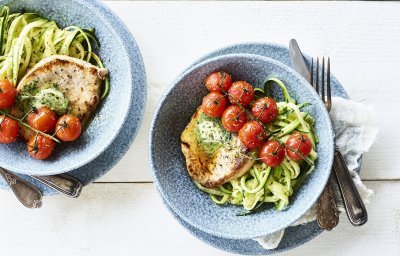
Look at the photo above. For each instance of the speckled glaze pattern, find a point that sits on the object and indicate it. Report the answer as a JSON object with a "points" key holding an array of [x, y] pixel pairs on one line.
{"points": [[170, 174], [294, 236], [120, 55], [131, 88]]}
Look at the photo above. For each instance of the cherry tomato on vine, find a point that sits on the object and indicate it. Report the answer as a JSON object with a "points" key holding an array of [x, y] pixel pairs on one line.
{"points": [[233, 118], [214, 104], [40, 147], [43, 119], [68, 128], [298, 143], [252, 134], [241, 92], [7, 94], [8, 130], [272, 153], [217, 81], [265, 109]]}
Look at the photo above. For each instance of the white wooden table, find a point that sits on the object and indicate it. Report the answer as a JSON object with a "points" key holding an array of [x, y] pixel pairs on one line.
{"points": [[122, 214]]}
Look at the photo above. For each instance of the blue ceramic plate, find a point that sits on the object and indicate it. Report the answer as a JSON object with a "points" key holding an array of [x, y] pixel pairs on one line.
{"points": [[169, 170], [120, 55], [294, 236]]}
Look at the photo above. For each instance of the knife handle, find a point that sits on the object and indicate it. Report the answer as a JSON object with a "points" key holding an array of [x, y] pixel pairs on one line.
{"points": [[355, 208], [327, 211], [63, 183]]}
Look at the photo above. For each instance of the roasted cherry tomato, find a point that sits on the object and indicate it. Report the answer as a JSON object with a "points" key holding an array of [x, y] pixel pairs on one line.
{"points": [[8, 130], [265, 109], [68, 128], [272, 153], [252, 134], [7, 94], [217, 81], [233, 118], [43, 119], [214, 104], [298, 143], [40, 147], [241, 92]]}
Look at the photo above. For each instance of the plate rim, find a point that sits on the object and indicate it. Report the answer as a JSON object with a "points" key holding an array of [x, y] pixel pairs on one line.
{"points": [[192, 230]]}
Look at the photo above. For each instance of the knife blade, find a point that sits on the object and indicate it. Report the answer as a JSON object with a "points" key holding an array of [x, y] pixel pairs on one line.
{"points": [[297, 59]]}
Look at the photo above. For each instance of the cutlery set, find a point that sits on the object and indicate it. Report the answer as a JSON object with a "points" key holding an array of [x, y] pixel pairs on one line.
{"points": [[31, 197], [327, 212]]}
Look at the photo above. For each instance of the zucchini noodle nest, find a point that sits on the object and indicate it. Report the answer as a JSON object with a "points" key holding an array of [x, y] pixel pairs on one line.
{"points": [[27, 38]]}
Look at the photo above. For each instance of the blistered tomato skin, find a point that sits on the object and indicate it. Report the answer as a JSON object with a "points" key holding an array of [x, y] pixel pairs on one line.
{"points": [[233, 118], [298, 143], [7, 94], [265, 109], [252, 134], [218, 82], [241, 92], [8, 130], [214, 104], [272, 153], [40, 147], [68, 128], [43, 119]]}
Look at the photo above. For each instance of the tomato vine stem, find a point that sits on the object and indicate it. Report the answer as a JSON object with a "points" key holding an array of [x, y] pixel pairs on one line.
{"points": [[270, 134], [28, 126]]}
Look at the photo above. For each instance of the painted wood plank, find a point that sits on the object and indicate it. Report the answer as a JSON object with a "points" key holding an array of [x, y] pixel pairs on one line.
{"points": [[364, 55], [130, 219]]}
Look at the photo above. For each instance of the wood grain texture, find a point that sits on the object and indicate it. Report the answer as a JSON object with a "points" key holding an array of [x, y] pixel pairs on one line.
{"points": [[130, 219], [364, 53]]}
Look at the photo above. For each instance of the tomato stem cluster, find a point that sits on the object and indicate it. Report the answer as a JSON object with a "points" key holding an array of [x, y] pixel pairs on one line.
{"points": [[270, 133], [20, 120]]}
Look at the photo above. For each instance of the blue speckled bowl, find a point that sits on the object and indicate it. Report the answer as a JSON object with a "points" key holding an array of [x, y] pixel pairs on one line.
{"points": [[169, 171], [120, 55]]}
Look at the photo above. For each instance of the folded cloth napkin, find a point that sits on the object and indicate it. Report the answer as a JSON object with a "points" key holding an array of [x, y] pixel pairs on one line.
{"points": [[355, 132]]}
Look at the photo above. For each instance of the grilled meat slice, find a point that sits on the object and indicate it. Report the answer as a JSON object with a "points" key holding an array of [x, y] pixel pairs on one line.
{"points": [[213, 155]]}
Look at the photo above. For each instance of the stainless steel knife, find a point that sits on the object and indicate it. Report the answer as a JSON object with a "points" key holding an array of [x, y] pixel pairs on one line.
{"points": [[327, 211], [297, 59]]}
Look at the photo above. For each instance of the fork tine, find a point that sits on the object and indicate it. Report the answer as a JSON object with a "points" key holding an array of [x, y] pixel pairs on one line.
{"points": [[312, 73], [328, 83], [323, 81], [317, 77]]}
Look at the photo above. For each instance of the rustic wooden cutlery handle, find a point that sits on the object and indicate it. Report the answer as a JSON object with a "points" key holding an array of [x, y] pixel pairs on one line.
{"points": [[327, 211], [27, 194], [64, 184], [355, 208]]}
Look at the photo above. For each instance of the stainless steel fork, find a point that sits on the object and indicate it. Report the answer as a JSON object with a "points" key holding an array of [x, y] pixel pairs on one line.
{"points": [[354, 206]]}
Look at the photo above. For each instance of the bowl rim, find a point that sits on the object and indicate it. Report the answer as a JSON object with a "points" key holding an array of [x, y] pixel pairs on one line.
{"points": [[128, 42], [293, 218]]}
